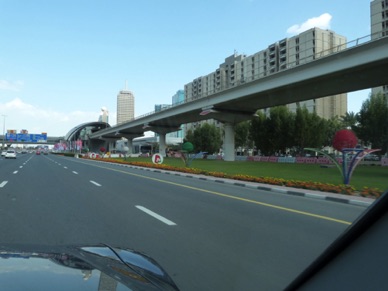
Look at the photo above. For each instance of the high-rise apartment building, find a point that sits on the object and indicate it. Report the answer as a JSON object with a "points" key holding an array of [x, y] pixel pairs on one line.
{"points": [[310, 45], [177, 99], [125, 106], [379, 28], [286, 53]]}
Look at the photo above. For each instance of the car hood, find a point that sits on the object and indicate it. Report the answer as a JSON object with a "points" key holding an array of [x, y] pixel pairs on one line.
{"points": [[97, 267]]}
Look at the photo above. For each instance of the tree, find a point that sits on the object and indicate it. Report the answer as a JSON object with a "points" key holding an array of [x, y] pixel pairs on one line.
{"points": [[258, 133], [280, 128], [273, 133], [205, 138], [301, 134], [332, 126], [189, 136], [372, 120], [241, 134], [349, 120], [317, 130], [310, 130]]}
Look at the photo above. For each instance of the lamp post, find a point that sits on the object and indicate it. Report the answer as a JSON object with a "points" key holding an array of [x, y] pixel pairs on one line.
{"points": [[4, 116]]}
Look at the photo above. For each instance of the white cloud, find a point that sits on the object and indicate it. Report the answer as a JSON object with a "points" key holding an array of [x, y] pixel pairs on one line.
{"points": [[322, 21], [21, 115], [11, 86]]}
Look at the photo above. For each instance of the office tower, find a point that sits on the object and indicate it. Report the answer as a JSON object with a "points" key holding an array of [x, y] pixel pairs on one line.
{"points": [[125, 106], [379, 28]]}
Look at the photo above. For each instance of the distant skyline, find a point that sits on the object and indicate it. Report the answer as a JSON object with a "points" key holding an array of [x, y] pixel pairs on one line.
{"points": [[61, 62]]}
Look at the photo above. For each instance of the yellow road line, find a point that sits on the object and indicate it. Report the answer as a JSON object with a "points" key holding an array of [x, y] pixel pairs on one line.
{"points": [[230, 196]]}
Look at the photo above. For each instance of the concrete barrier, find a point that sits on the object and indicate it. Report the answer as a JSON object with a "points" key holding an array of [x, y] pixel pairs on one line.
{"points": [[311, 160], [323, 161], [273, 159], [290, 160]]}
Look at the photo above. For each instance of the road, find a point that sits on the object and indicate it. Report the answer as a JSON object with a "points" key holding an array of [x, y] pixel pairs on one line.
{"points": [[207, 235]]}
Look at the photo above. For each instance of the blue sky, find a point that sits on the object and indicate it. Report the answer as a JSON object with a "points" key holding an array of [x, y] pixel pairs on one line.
{"points": [[61, 61]]}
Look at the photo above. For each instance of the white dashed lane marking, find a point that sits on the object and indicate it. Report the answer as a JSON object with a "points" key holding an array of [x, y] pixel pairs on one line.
{"points": [[155, 215], [95, 183]]}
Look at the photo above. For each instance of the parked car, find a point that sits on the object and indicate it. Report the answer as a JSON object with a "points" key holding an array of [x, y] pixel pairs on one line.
{"points": [[3, 153], [10, 154]]}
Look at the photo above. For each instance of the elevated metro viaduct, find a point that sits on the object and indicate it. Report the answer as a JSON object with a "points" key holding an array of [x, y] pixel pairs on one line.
{"points": [[361, 67]]}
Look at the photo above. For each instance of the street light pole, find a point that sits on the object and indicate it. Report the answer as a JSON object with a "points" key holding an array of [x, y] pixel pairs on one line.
{"points": [[4, 116]]}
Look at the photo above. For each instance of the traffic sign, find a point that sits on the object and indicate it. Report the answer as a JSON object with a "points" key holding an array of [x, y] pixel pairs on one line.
{"points": [[157, 159]]}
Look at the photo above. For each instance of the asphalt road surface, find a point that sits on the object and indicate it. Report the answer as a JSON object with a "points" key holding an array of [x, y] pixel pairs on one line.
{"points": [[207, 235]]}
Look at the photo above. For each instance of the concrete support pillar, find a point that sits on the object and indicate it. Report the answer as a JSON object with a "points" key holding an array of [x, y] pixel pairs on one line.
{"points": [[130, 138], [129, 146], [162, 144], [229, 142], [111, 146]]}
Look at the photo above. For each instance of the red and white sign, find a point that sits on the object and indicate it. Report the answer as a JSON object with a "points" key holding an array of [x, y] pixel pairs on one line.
{"points": [[157, 159]]}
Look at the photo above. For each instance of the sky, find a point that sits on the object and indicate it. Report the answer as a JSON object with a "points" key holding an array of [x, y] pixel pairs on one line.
{"points": [[62, 61]]}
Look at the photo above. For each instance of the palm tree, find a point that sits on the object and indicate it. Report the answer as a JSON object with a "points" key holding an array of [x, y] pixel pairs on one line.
{"points": [[349, 120]]}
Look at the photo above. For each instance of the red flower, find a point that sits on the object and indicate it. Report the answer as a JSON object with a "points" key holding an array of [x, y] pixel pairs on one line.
{"points": [[344, 138]]}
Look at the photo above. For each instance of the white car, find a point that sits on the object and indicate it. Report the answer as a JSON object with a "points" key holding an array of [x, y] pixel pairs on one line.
{"points": [[3, 153], [10, 154]]}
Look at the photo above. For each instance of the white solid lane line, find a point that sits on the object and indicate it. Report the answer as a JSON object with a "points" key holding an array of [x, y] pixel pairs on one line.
{"points": [[95, 183], [3, 184], [155, 215]]}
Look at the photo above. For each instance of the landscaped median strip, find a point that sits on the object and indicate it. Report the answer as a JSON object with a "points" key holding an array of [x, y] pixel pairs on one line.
{"points": [[305, 185], [251, 184]]}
